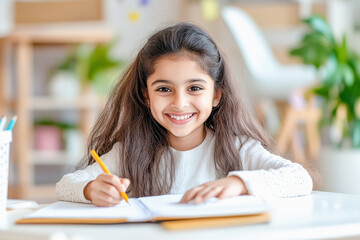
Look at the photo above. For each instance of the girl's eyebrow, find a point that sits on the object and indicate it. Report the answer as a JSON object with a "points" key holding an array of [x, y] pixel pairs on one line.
{"points": [[188, 81]]}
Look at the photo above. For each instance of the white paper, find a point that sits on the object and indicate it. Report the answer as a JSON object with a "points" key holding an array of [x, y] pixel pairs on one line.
{"points": [[146, 208], [84, 211], [169, 206], [20, 204]]}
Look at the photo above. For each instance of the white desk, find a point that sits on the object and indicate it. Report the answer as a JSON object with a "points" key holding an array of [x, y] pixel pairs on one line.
{"points": [[320, 215]]}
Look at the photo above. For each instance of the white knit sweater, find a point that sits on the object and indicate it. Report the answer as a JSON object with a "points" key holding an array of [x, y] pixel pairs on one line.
{"points": [[264, 174]]}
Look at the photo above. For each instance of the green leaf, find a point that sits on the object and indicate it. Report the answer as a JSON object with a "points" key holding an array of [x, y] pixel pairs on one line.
{"points": [[88, 61], [322, 91], [69, 63], [318, 24], [100, 60], [341, 51], [318, 39], [356, 134], [314, 49], [347, 74], [354, 62], [313, 54], [332, 75]]}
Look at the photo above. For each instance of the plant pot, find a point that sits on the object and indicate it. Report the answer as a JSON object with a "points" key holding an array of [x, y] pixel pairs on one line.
{"points": [[47, 138], [340, 170], [65, 85]]}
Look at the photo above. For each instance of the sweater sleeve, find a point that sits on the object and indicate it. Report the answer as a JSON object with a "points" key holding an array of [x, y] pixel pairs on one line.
{"points": [[71, 186], [268, 175]]}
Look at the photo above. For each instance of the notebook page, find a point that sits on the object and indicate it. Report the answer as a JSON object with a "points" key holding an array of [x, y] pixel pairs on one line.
{"points": [[169, 206], [20, 204], [85, 211]]}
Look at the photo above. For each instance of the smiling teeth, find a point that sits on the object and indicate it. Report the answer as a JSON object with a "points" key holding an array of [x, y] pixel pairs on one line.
{"points": [[181, 117]]}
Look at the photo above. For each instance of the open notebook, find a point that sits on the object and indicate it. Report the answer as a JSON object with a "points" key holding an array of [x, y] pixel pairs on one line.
{"points": [[237, 210]]}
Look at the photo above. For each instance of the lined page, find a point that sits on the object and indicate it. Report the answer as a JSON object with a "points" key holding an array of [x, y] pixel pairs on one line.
{"points": [[85, 211], [169, 206]]}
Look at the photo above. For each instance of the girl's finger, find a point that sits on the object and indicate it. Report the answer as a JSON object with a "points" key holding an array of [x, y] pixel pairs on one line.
{"points": [[113, 180], [109, 198], [205, 195], [213, 193], [112, 191], [199, 197], [102, 203], [101, 188], [225, 193], [189, 195], [125, 183], [105, 177]]}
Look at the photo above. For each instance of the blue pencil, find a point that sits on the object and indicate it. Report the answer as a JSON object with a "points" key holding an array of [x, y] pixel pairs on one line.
{"points": [[2, 122], [12, 123]]}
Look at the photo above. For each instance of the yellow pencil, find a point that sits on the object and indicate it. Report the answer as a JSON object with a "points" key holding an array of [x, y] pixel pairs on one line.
{"points": [[104, 168]]}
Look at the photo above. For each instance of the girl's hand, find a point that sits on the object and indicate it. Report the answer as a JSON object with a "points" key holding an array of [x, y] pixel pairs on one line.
{"points": [[105, 190], [222, 188]]}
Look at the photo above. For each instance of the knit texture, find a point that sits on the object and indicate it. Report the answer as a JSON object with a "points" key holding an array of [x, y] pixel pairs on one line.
{"points": [[264, 174]]}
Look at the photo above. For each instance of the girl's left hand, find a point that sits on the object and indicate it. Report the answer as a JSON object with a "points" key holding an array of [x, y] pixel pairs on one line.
{"points": [[223, 188]]}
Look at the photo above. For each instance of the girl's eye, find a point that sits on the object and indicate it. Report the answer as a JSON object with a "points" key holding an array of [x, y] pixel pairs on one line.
{"points": [[163, 89], [195, 88]]}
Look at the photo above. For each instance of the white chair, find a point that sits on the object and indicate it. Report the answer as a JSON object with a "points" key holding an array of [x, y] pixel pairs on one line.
{"points": [[270, 80]]}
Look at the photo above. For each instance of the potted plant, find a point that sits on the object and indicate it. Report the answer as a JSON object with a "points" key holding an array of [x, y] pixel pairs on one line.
{"points": [[49, 134], [92, 66], [339, 94]]}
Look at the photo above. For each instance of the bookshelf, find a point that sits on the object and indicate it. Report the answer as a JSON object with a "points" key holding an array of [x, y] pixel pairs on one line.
{"points": [[24, 103]]}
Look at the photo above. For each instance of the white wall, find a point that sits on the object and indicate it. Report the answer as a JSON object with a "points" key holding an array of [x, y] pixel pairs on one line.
{"points": [[132, 35], [6, 16]]}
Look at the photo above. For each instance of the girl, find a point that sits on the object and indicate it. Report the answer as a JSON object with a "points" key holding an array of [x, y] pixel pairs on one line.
{"points": [[175, 124]]}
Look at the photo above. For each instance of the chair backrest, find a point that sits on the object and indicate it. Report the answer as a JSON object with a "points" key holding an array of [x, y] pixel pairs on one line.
{"points": [[256, 52]]}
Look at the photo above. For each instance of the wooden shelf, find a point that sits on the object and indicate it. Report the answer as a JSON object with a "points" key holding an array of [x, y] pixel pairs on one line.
{"points": [[22, 43], [44, 191], [63, 33], [34, 192], [51, 103], [54, 158]]}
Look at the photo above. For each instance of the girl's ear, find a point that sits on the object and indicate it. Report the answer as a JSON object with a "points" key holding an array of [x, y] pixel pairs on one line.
{"points": [[217, 98], [146, 94]]}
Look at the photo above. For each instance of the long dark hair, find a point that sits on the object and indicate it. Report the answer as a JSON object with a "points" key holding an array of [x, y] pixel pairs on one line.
{"points": [[143, 141]]}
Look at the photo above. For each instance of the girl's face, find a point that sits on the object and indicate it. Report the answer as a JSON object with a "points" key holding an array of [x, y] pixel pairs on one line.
{"points": [[181, 96]]}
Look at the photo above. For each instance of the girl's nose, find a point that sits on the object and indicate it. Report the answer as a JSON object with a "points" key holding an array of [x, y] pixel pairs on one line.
{"points": [[180, 101]]}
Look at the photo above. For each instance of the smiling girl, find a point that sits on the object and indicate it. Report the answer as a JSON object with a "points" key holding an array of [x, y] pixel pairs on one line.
{"points": [[175, 123]]}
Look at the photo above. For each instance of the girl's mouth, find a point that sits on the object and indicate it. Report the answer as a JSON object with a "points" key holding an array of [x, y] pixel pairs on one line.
{"points": [[180, 119]]}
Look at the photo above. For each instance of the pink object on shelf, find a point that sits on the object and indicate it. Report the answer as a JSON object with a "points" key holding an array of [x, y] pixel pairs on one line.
{"points": [[48, 138]]}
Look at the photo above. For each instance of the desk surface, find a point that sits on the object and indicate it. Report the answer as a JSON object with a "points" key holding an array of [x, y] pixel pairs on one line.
{"points": [[320, 215]]}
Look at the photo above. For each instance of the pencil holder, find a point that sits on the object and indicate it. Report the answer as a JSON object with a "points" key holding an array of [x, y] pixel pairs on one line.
{"points": [[5, 139]]}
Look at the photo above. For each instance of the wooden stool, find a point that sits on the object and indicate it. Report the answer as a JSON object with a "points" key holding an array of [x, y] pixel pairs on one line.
{"points": [[295, 119]]}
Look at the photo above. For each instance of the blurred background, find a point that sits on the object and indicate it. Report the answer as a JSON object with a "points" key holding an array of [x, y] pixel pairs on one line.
{"points": [[59, 58]]}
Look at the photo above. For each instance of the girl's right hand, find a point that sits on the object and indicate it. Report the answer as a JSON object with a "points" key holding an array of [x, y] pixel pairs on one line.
{"points": [[105, 190]]}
